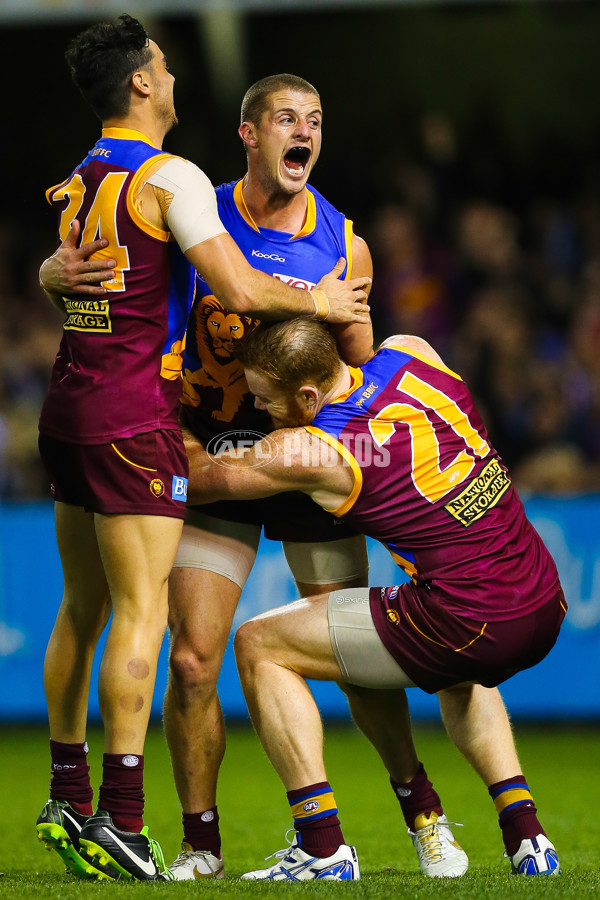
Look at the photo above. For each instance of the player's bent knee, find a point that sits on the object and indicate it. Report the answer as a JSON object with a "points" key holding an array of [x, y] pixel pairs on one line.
{"points": [[193, 670], [249, 644]]}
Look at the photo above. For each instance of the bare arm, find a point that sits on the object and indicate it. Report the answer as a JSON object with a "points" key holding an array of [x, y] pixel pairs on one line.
{"points": [[240, 287], [183, 197], [289, 459], [355, 340], [248, 291]]}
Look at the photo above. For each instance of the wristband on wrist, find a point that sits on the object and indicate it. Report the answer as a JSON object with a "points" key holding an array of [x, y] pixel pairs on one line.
{"points": [[321, 301]]}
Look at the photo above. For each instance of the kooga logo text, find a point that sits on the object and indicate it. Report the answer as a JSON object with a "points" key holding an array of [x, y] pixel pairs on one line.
{"points": [[272, 256]]}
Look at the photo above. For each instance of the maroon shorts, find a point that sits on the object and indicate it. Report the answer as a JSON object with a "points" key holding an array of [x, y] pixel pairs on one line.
{"points": [[142, 475], [438, 649]]}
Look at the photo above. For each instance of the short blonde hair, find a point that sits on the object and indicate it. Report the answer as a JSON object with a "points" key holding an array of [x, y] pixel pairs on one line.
{"points": [[292, 353], [256, 98]]}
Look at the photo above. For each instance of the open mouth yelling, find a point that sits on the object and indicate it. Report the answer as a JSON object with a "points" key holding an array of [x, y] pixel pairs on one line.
{"points": [[296, 160]]}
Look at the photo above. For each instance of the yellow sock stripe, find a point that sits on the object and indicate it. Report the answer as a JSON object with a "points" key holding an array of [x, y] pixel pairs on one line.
{"points": [[315, 806], [508, 798]]}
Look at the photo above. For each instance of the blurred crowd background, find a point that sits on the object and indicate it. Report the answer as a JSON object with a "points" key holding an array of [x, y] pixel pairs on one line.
{"points": [[462, 139]]}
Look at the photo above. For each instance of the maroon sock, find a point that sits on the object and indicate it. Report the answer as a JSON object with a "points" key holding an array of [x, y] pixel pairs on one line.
{"points": [[201, 830], [318, 836], [517, 813], [122, 790], [417, 796], [321, 838], [70, 779]]}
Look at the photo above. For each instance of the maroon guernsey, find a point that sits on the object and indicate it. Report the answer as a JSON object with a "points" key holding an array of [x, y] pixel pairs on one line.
{"points": [[118, 368], [429, 485]]}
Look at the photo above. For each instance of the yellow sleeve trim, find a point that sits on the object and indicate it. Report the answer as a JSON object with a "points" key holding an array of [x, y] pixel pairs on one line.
{"points": [[136, 216], [426, 359], [348, 235], [350, 500]]}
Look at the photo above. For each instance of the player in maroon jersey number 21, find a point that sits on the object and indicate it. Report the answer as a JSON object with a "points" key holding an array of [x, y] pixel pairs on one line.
{"points": [[399, 450]]}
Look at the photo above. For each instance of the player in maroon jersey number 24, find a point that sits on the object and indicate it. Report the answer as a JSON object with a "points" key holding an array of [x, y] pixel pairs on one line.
{"points": [[110, 436]]}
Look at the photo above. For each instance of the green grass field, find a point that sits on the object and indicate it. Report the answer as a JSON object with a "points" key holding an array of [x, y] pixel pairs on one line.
{"points": [[562, 765]]}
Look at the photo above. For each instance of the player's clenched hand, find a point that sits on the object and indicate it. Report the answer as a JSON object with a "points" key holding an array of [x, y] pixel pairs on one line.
{"points": [[347, 299], [71, 271]]}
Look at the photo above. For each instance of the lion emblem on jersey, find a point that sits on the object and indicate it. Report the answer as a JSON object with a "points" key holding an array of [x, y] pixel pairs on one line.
{"points": [[217, 331]]}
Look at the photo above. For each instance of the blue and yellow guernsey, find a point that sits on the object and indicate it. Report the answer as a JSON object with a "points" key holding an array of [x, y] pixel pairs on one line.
{"points": [[118, 368], [429, 485], [215, 397]]}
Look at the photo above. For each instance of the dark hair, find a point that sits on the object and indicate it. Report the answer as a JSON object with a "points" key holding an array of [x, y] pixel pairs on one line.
{"points": [[256, 98], [101, 60], [292, 353]]}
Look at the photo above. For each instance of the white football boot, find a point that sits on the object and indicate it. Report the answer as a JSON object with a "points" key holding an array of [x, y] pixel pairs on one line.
{"points": [[535, 856], [440, 855], [296, 865], [192, 864]]}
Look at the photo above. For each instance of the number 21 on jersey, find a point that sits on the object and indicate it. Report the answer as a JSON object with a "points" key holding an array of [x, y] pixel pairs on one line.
{"points": [[430, 479]]}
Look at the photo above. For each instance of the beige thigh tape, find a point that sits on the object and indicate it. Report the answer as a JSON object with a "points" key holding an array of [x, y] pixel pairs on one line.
{"points": [[227, 548], [361, 656]]}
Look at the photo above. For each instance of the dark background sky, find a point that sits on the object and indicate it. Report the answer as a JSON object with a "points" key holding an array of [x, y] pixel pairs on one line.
{"points": [[518, 81]]}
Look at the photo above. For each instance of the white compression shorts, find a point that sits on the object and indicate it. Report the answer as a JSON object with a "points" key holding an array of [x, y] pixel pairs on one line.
{"points": [[229, 549], [361, 655], [192, 213]]}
